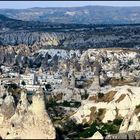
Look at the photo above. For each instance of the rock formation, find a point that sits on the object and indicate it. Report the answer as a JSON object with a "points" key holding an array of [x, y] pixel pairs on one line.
{"points": [[65, 81], [97, 135], [131, 121], [129, 135], [8, 107], [116, 102], [72, 82], [28, 121], [95, 86]]}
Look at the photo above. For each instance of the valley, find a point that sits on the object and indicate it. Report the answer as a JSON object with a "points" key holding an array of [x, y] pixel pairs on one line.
{"points": [[75, 79]]}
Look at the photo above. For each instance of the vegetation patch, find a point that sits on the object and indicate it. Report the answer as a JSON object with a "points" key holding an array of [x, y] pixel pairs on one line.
{"points": [[137, 106], [59, 97], [93, 98], [100, 95], [130, 91], [84, 121], [137, 109], [120, 98], [103, 128], [85, 96], [86, 129], [93, 115], [139, 118], [117, 121], [71, 104], [108, 97], [101, 114], [103, 97]]}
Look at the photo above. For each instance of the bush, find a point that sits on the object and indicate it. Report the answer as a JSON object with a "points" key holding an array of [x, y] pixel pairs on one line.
{"points": [[137, 106], [85, 96], [117, 121], [109, 128], [103, 128], [65, 103], [48, 87], [100, 95], [86, 131], [71, 104], [23, 83], [52, 103], [11, 86], [89, 131], [100, 111]]}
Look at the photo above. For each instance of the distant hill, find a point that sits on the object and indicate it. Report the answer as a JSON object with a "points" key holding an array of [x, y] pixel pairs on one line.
{"points": [[69, 36], [78, 15], [4, 18]]}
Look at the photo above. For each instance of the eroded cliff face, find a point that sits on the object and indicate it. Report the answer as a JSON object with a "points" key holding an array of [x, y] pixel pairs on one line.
{"points": [[20, 39], [119, 102], [68, 36], [25, 121], [69, 40]]}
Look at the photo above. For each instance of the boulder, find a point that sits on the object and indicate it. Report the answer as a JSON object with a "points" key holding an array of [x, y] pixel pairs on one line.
{"points": [[97, 135]]}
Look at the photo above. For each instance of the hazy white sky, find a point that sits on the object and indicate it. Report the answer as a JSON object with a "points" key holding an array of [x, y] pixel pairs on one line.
{"points": [[29, 4]]}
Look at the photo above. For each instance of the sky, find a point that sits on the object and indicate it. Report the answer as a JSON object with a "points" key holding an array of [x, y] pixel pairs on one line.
{"points": [[30, 4]]}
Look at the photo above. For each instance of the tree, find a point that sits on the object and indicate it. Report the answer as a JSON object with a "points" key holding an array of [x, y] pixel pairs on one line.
{"points": [[23, 83], [48, 86]]}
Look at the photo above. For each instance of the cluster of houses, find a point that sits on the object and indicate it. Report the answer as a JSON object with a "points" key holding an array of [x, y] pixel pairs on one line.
{"points": [[106, 65], [30, 80]]}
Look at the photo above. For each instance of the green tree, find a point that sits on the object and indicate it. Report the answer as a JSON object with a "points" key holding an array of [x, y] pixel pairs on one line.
{"points": [[23, 83]]}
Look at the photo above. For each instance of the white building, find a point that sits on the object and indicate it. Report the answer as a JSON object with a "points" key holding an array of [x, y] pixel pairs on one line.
{"points": [[32, 88], [29, 79]]}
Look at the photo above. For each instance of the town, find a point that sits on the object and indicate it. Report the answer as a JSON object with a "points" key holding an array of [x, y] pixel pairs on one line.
{"points": [[76, 69], [69, 73], [70, 78]]}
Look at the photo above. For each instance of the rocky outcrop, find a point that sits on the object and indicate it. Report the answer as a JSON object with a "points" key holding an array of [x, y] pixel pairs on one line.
{"points": [[117, 102], [67, 36], [129, 135], [97, 135], [28, 121], [95, 86], [8, 107], [65, 80], [67, 94], [131, 121], [73, 80]]}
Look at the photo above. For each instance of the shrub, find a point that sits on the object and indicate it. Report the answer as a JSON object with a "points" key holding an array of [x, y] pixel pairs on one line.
{"points": [[117, 121], [100, 112], [109, 128], [139, 118], [100, 95], [85, 96], [23, 83], [89, 131], [52, 103], [48, 86], [71, 104], [103, 128], [137, 106]]}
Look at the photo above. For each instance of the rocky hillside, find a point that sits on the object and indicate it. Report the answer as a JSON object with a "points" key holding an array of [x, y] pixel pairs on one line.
{"points": [[117, 102], [118, 109], [68, 36], [79, 15]]}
